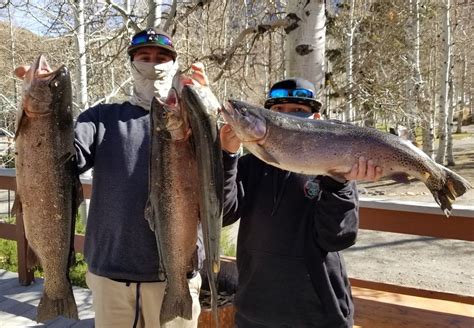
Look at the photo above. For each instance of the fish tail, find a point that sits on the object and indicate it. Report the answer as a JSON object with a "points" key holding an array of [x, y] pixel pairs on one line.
{"points": [[214, 297], [452, 187], [49, 308], [176, 305]]}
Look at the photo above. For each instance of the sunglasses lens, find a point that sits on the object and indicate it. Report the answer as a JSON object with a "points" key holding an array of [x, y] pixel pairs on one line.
{"points": [[278, 93], [302, 93], [163, 40], [139, 39], [151, 38]]}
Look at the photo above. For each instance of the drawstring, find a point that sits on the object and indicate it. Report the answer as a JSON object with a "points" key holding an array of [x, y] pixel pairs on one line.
{"points": [[137, 306]]}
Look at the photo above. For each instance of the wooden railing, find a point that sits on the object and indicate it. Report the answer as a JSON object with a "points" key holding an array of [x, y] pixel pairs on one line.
{"points": [[400, 217], [17, 232]]}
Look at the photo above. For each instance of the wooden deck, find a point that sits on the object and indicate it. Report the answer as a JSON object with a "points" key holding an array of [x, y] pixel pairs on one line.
{"points": [[18, 304]]}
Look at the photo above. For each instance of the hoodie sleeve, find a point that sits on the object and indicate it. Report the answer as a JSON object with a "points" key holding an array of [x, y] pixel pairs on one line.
{"points": [[336, 219], [234, 194], [85, 139]]}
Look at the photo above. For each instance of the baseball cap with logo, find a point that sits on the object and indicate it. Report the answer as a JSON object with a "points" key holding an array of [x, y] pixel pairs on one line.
{"points": [[152, 38], [293, 90]]}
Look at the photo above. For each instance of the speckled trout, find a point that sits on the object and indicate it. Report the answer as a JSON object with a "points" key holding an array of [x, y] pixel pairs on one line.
{"points": [[203, 108], [48, 189], [317, 147], [173, 203]]}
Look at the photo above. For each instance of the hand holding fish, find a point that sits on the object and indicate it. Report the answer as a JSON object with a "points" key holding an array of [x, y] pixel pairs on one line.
{"points": [[364, 170], [198, 74], [229, 140]]}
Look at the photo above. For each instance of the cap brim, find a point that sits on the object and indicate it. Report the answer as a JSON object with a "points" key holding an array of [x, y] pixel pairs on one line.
{"points": [[313, 103], [171, 50]]}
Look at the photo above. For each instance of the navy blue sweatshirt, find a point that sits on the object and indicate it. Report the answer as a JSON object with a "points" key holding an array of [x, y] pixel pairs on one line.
{"points": [[119, 244], [291, 229]]}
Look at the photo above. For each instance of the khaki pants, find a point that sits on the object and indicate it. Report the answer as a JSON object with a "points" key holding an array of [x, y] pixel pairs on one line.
{"points": [[114, 303]]}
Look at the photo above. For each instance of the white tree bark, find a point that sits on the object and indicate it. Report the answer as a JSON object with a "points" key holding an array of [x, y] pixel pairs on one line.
{"points": [[305, 41], [12, 57], [449, 131], [444, 82], [81, 59], [154, 13], [349, 110], [462, 93]]}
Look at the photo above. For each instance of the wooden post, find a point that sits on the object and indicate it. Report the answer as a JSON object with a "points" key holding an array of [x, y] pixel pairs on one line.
{"points": [[25, 273]]}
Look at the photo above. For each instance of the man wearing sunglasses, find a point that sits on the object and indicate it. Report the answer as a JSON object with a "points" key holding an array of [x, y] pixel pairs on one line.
{"points": [[120, 248], [292, 227]]}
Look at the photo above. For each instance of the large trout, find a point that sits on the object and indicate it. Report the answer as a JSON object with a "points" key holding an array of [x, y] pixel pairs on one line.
{"points": [[173, 205], [316, 147], [48, 189], [202, 108]]}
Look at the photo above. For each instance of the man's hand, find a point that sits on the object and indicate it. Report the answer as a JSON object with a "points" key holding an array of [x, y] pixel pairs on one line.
{"points": [[229, 141], [198, 74], [364, 170]]}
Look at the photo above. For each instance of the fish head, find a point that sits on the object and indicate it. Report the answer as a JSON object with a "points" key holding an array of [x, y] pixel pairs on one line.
{"points": [[168, 117], [44, 90], [246, 120]]}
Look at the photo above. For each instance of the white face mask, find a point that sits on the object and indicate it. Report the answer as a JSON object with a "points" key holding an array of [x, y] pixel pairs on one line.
{"points": [[151, 80]]}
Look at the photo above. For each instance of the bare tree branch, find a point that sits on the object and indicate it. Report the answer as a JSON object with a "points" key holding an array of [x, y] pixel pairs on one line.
{"points": [[125, 15], [171, 16], [258, 30]]}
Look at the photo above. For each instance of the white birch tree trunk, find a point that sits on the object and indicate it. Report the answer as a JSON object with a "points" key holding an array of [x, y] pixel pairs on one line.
{"points": [[305, 42], [81, 60], [444, 82], [449, 131], [462, 93], [154, 13], [16, 96], [349, 110], [420, 103]]}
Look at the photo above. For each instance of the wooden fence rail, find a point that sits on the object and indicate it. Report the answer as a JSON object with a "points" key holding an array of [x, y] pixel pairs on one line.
{"points": [[400, 217]]}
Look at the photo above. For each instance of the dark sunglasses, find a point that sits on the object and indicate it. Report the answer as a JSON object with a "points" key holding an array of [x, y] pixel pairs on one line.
{"points": [[151, 36], [281, 93]]}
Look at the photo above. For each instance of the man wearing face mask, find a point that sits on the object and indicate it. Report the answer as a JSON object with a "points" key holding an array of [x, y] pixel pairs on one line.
{"points": [[292, 227], [120, 248]]}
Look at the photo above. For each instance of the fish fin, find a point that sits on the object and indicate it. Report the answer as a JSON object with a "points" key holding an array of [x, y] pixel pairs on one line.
{"points": [[64, 159], [31, 259], [267, 157], [77, 199], [17, 208], [453, 186], [213, 284], [400, 178], [19, 122], [49, 308], [176, 305], [149, 214]]}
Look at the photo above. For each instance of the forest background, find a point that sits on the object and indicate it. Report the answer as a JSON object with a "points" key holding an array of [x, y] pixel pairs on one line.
{"points": [[375, 63]]}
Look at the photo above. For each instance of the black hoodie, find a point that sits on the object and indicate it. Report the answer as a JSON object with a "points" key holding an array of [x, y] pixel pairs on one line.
{"points": [[291, 229]]}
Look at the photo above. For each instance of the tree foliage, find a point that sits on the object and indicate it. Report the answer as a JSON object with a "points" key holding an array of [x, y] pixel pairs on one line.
{"points": [[242, 44]]}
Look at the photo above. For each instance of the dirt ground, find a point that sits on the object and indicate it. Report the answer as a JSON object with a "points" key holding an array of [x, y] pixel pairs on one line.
{"points": [[417, 261]]}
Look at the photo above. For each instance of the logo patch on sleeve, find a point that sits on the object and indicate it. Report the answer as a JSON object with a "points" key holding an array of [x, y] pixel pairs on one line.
{"points": [[312, 188]]}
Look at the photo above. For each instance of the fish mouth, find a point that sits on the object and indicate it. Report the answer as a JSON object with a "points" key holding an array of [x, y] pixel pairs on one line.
{"points": [[39, 83], [230, 113], [243, 123]]}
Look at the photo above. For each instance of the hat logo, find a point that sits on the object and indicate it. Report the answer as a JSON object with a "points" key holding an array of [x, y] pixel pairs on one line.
{"points": [[312, 189]]}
